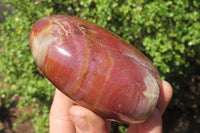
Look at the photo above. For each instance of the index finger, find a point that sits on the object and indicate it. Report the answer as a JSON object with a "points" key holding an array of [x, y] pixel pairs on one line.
{"points": [[59, 120], [165, 96]]}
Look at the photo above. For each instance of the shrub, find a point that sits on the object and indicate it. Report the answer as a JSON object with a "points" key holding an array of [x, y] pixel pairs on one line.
{"points": [[168, 32], [17, 64]]}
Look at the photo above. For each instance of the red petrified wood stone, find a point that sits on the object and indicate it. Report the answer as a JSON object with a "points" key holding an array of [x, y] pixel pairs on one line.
{"points": [[95, 68]]}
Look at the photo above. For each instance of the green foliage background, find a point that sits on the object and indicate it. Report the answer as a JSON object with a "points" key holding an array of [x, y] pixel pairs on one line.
{"points": [[166, 31]]}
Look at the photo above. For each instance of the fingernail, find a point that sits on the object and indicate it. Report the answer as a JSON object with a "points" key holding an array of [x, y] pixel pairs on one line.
{"points": [[80, 123]]}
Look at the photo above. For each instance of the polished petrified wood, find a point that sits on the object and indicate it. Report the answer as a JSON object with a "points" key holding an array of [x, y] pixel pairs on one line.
{"points": [[95, 68]]}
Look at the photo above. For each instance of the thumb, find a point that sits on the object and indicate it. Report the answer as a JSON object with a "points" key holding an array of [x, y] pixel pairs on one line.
{"points": [[86, 121]]}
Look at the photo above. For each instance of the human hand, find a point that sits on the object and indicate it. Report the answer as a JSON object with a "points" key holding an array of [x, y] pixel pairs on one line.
{"points": [[67, 117]]}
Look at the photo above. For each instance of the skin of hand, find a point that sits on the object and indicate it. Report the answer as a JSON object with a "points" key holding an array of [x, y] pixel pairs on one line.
{"points": [[67, 117]]}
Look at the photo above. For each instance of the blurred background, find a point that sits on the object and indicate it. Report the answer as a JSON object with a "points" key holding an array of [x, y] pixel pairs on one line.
{"points": [[166, 31]]}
